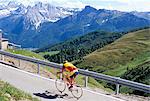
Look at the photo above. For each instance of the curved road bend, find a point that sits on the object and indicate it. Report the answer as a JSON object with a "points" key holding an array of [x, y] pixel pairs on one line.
{"points": [[44, 88]]}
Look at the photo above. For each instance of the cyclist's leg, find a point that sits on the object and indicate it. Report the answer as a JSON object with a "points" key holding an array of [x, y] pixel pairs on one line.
{"points": [[72, 78], [67, 78]]}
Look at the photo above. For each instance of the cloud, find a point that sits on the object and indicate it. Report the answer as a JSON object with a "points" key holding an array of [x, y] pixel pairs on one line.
{"points": [[132, 5], [123, 5], [71, 4]]}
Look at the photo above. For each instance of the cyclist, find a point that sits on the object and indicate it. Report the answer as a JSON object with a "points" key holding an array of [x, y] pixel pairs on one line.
{"points": [[70, 71]]}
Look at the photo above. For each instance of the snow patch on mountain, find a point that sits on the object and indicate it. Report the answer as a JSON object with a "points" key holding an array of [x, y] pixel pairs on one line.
{"points": [[36, 14], [4, 13]]}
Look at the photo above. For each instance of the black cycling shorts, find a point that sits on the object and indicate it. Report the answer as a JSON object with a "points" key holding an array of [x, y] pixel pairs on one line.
{"points": [[74, 75]]}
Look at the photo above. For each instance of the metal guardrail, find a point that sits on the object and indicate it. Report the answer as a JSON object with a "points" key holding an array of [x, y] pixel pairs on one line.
{"points": [[115, 80], [118, 81]]}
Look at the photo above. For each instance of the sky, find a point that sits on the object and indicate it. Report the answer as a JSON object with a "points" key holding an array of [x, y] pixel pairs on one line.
{"points": [[121, 5]]}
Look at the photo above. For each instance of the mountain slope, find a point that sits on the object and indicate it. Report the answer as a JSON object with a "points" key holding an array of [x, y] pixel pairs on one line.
{"points": [[140, 73], [124, 23], [88, 20], [125, 53], [128, 58], [20, 24], [38, 13], [145, 15], [78, 47]]}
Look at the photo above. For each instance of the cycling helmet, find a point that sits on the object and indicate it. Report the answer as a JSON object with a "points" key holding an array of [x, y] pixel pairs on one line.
{"points": [[65, 61]]}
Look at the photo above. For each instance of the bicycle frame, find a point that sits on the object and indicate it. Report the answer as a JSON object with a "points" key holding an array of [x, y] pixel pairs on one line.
{"points": [[76, 91]]}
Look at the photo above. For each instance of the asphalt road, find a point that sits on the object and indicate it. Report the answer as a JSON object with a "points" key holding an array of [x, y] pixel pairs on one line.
{"points": [[44, 88]]}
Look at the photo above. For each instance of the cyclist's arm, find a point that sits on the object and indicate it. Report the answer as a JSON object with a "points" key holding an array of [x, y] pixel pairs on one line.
{"points": [[63, 69]]}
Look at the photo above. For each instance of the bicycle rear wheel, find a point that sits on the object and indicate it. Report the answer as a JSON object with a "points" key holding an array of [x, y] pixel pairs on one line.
{"points": [[60, 85], [77, 91]]}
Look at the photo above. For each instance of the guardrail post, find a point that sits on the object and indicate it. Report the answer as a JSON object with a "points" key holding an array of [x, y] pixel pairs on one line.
{"points": [[2, 57], [86, 80], [19, 62], [38, 68], [117, 86], [117, 89]]}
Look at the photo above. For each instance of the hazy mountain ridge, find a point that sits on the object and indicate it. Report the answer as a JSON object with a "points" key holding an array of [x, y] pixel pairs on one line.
{"points": [[145, 15]]}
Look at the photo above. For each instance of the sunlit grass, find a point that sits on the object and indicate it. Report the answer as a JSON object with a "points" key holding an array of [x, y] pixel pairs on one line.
{"points": [[123, 54], [8, 93], [26, 53], [48, 53]]}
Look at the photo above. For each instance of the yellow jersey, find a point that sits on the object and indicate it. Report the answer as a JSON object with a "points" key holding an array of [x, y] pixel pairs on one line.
{"points": [[69, 67]]}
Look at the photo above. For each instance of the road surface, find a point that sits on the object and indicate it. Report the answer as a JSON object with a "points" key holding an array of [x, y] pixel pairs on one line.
{"points": [[44, 88]]}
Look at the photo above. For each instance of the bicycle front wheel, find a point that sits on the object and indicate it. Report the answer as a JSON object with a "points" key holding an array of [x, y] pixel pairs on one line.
{"points": [[60, 85], [77, 91]]}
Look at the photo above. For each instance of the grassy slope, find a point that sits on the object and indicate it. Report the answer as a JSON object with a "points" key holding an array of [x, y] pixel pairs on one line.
{"points": [[139, 74], [26, 53], [78, 47], [10, 93], [115, 59], [49, 53]]}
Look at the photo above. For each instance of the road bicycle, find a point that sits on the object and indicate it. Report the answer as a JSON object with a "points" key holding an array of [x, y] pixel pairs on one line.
{"points": [[61, 84]]}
